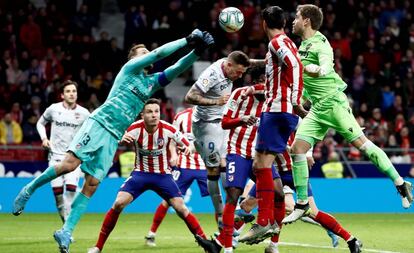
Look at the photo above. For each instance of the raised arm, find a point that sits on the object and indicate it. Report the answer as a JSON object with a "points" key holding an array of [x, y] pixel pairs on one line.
{"points": [[325, 60], [139, 63]]}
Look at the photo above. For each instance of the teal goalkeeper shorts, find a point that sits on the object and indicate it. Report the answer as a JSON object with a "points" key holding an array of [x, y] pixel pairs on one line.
{"points": [[333, 112], [95, 147]]}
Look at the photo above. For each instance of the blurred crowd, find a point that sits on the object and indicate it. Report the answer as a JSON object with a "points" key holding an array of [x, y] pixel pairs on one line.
{"points": [[44, 42]]}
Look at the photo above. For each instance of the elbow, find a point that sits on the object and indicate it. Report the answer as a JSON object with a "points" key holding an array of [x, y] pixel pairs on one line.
{"points": [[187, 99]]}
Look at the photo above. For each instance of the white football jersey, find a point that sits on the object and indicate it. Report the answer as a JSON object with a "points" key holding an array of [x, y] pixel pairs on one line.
{"points": [[64, 125], [213, 84]]}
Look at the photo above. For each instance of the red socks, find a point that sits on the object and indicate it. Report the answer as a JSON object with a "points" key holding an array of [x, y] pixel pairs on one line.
{"points": [[108, 225], [329, 222], [226, 235], [265, 196], [279, 214], [158, 217], [194, 225]]}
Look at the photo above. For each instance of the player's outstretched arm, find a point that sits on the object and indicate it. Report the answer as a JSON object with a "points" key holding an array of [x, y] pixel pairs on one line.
{"points": [[165, 50]]}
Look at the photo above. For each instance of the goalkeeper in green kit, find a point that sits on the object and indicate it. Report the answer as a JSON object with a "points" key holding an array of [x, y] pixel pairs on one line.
{"points": [[330, 109]]}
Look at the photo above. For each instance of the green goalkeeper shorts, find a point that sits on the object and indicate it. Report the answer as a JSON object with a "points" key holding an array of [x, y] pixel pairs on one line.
{"points": [[333, 112]]}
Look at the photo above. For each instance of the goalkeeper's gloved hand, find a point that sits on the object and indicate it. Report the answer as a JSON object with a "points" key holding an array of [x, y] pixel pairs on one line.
{"points": [[194, 38], [207, 42]]}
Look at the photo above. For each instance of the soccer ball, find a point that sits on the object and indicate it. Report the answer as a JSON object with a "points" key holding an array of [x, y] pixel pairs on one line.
{"points": [[231, 19]]}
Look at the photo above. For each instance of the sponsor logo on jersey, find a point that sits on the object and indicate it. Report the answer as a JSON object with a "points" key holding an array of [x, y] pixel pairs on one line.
{"points": [[66, 124], [155, 152]]}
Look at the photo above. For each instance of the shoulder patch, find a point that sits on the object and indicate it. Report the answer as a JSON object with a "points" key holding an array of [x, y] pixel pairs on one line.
{"points": [[233, 105]]}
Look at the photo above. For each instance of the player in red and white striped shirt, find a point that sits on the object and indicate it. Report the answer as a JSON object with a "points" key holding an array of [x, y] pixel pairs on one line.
{"points": [[316, 217], [186, 169], [151, 138], [278, 120]]}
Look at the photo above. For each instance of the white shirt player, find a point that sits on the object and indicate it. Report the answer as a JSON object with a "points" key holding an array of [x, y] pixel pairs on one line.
{"points": [[213, 84], [65, 123]]}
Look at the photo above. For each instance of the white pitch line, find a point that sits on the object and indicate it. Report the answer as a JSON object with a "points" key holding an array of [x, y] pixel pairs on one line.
{"points": [[330, 247], [133, 238]]}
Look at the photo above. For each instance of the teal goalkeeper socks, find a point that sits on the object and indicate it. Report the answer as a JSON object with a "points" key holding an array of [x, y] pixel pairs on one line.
{"points": [[48, 175], [79, 205], [300, 178]]}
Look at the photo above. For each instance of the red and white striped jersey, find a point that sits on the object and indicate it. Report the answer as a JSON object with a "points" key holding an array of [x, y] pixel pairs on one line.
{"points": [[284, 81], [182, 122], [242, 139], [151, 149]]}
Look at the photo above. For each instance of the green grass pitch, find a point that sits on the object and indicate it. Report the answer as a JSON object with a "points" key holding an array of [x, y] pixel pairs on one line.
{"points": [[32, 233]]}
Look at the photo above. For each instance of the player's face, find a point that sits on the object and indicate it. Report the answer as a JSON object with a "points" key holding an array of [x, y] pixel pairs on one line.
{"points": [[298, 24], [234, 71], [151, 115], [70, 94], [141, 51]]}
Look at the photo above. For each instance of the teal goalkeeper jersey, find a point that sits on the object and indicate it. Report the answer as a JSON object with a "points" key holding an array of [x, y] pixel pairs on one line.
{"points": [[125, 100], [132, 87], [317, 50]]}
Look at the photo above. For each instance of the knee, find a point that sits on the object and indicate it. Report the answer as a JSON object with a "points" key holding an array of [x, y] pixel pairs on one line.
{"points": [[232, 199], [119, 206]]}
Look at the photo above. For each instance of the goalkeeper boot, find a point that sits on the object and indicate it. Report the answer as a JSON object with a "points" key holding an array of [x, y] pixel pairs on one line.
{"points": [[20, 201], [406, 192], [334, 238], [355, 246], [94, 250], [241, 215], [257, 233], [150, 240], [210, 246], [62, 237], [299, 211]]}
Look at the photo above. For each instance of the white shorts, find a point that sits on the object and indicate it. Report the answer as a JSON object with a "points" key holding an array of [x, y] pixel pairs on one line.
{"points": [[69, 178], [210, 141]]}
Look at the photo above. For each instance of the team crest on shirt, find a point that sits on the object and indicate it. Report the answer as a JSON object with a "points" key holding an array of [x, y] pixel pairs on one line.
{"points": [[231, 178], [160, 142], [77, 115]]}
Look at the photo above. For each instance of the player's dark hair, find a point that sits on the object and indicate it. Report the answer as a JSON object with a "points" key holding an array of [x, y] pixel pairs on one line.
{"points": [[314, 13], [132, 51], [153, 101], [274, 16], [257, 74], [67, 83], [238, 57]]}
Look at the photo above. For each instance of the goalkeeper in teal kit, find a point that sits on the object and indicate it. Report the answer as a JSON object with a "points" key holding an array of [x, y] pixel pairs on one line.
{"points": [[95, 144], [330, 109]]}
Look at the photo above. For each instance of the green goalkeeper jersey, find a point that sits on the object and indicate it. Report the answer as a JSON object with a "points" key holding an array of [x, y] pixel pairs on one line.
{"points": [[317, 50]]}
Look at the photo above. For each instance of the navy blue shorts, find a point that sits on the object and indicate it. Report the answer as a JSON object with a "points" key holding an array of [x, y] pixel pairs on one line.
{"points": [[274, 131], [187, 177], [163, 184], [240, 169], [287, 180]]}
